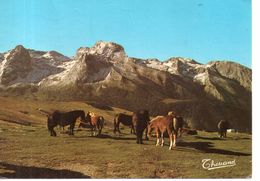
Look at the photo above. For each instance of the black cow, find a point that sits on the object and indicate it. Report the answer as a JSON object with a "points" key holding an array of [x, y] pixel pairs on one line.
{"points": [[223, 125], [141, 120]]}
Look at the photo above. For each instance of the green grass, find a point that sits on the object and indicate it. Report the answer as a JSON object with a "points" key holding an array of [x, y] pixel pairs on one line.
{"points": [[27, 151]]}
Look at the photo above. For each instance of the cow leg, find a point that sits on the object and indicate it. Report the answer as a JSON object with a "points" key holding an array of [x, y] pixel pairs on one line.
{"points": [[162, 138], [61, 128], [70, 132], [92, 129], [96, 128], [54, 133], [180, 130], [157, 138], [69, 129], [115, 128], [222, 134], [118, 129], [174, 139], [146, 133], [170, 137], [80, 125], [51, 133], [72, 129], [133, 129], [95, 131], [138, 136], [141, 136]]}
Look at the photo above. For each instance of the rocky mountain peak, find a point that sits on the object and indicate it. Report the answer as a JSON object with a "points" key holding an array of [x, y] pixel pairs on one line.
{"points": [[104, 51], [81, 51], [18, 53], [107, 50], [102, 47], [17, 63]]}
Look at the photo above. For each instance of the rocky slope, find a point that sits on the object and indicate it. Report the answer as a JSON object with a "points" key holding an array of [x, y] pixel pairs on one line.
{"points": [[202, 94]]}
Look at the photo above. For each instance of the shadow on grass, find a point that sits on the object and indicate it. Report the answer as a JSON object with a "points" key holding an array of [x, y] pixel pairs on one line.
{"points": [[238, 138], [106, 136], [207, 147], [207, 138], [222, 139], [16, 171]]}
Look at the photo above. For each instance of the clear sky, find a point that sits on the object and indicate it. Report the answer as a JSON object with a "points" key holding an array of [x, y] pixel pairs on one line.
{"points": [[204, 30]]}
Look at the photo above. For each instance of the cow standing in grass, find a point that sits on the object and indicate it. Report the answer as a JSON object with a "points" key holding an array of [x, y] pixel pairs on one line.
{"points": [[124, 119], [63, 119], [96, 123], [141, 120], [171, 124], [223, 125]]}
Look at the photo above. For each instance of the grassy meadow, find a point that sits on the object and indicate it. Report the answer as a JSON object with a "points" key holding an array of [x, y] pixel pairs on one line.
{"points": [[28, 151]]}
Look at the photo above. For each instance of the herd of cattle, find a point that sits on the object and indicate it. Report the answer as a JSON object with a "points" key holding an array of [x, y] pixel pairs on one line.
{"points": [[139, 122]]}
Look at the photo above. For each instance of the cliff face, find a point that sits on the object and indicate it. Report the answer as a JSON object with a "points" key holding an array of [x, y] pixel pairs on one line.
{"points": [[202, 94]]}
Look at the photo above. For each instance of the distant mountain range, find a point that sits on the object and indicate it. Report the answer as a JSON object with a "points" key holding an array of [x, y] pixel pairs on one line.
{"points": [[202, 93]]}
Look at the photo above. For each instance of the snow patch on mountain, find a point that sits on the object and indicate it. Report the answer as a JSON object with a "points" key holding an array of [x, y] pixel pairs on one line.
{"points": [[54, 79], [201, 78], [55, 56]]}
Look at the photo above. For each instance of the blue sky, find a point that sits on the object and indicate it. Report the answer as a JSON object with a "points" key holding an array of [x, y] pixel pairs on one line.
{"points": [[204, 30]]}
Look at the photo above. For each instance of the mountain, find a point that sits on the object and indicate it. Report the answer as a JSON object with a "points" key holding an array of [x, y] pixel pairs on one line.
{"points": [[202, 93]]}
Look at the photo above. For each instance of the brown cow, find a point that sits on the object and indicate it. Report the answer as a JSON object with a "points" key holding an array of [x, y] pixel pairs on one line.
{"points": [[96, 122], [170, 123]]}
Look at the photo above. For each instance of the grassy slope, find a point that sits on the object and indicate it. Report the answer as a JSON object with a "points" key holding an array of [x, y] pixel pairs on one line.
{"points": [[29, 151]]}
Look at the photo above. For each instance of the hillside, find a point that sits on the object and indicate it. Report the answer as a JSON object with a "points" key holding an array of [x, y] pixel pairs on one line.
{"points": [[28, 151]]}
